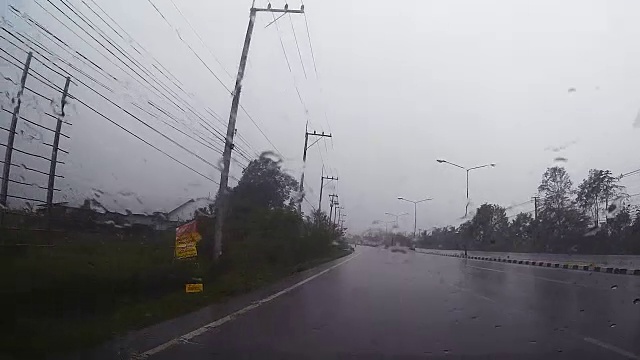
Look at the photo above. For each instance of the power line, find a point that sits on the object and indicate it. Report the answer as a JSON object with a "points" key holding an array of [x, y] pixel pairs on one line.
{"points": [[214, 75], [135, 117], [200, 38], [143, 140], [122, 52], [113, 103], [189, 46], [286, 58], [293, 30], [306, 23], [516, 205]]}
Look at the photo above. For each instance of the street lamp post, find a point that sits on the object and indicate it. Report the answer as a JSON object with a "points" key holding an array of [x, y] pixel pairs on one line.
{"points": [[396, 216], [415, 212], [466, 208]]}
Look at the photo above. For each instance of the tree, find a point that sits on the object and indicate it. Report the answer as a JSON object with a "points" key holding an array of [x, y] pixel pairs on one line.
{"points": [[600, 186], [489, 225], [521, 231], [265, 185], [555, 188]]}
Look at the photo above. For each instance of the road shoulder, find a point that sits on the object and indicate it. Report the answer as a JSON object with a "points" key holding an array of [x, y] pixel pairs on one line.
{"points": [[139, 341]]}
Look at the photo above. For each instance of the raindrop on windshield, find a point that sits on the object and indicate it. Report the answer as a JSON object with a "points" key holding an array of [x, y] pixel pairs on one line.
{"points": [[613, 287], [636, 301], [532, 342], [612, 325]]}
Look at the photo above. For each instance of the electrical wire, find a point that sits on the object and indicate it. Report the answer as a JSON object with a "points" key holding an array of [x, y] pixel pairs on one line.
{"points": [[125, 111], [189, 46], [200, 38], [215, 76], [143, 140], [123, 62], [293, 30], [306, 23]]}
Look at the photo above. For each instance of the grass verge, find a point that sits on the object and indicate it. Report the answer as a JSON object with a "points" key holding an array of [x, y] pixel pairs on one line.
{"points": [[85, 291]]}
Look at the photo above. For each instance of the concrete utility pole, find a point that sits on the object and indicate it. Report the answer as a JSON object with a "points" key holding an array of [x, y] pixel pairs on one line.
{"points": [[54, 150], [322, 179], [304, 160], [12, 134], [332, 201], [535, 206], [231, 127]]}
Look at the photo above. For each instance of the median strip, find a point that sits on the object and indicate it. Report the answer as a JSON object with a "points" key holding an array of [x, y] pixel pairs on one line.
{"points": [[567, 266]]}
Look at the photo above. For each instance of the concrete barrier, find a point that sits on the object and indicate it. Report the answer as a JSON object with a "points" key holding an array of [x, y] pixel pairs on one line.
{"points": [[568, 266]]}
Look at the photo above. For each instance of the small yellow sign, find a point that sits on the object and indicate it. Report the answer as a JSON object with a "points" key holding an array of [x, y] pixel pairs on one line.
{"points": [[193, 288], [186, 251]]}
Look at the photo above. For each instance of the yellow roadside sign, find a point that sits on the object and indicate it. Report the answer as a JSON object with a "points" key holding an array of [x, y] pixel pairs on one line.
{"points": [[187, 237], [193, 288]]}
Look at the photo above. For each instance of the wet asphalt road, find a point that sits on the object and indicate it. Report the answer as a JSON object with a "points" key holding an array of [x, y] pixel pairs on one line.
{"points": [[415, 306]]}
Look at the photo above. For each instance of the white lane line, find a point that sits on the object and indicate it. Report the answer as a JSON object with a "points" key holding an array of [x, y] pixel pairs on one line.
{"points": [[533, 276], [587, 339], [215, 324], [613, 348]]}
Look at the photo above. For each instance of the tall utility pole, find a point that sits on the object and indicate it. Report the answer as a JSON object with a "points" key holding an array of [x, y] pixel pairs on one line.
{"points": [[535, 206], [322, 179], [231, 127], [4, 188], [55, 147], [304, 160], [332, 201]]}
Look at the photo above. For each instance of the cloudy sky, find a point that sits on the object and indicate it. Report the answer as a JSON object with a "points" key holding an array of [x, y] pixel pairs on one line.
{"points": [[523, 84]]}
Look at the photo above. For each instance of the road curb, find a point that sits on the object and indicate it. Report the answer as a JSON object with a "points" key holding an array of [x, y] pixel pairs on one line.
{"points": [[566, 266]]}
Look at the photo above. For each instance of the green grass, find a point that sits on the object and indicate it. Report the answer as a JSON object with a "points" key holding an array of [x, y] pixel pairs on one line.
{"points": [[89, 288]]}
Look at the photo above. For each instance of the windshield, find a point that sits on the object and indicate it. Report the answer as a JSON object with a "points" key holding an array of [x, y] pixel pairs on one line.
{"points": [[320, 179]]}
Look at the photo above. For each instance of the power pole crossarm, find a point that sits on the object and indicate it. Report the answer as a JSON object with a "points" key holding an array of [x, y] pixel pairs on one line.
{"points": [[322, 179], [304, 161]]}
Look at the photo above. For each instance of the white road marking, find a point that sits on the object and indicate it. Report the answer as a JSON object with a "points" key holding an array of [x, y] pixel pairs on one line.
{"points": [[613, 348], [186, 337], [587, 339], [533, 276]]}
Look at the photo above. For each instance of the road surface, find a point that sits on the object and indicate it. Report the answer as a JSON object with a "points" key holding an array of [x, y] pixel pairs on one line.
{"points": [[378, 304]]}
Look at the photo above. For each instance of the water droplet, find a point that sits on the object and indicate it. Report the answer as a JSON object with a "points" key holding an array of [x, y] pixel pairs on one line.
{"points": [[446, 351], [612, 325], [474, 317], [581, 310], [636, 301], [613, 287], [532, 342], [498, 326]]}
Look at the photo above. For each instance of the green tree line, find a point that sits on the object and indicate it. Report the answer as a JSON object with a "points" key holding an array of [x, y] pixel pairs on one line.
{"points": [[593, 217], [262, 225]]}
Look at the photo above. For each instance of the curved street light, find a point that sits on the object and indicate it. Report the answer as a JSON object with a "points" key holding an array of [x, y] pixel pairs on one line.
{"points": [[415, 211], [396, 215], [466, 208]]}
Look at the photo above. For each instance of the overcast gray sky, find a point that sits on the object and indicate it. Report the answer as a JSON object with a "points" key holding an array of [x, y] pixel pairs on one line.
{"points": [[399, 85]]}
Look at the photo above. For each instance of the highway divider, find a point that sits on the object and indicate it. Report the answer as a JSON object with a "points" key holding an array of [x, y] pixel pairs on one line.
{"points": [[556, 265]]}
